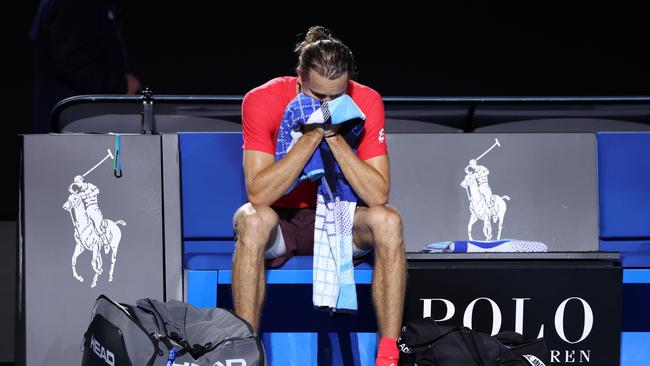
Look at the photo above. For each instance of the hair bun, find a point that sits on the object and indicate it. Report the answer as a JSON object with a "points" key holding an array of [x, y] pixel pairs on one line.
{"points": [[317, 33], [314, 34]]}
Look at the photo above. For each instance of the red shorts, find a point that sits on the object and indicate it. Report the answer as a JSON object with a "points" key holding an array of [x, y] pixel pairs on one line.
{"points": [[295, 236]]}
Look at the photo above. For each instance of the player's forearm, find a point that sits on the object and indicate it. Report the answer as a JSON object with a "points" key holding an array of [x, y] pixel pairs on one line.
{"points": [[365, 180], [273, 182]]}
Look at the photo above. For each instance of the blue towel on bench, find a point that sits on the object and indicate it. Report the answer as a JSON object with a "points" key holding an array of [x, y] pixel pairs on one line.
{"points": [[333, 275], [493, 246]]}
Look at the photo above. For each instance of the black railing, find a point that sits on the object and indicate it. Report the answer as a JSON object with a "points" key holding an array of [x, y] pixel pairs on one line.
{"points": [[463, 113]]}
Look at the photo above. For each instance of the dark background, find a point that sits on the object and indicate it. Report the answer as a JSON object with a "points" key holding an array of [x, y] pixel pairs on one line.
{"points": [[462, 50]]}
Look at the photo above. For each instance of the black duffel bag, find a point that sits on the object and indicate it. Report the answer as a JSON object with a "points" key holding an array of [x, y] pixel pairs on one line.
{"points": [[425, 343]]}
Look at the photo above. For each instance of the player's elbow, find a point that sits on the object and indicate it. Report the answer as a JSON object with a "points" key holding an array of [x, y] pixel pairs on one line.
{"points": [[377, 199], [259, 200]]}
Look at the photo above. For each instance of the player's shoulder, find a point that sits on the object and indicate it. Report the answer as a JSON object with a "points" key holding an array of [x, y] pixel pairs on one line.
{"points": [[363, 92], [274, 87]]}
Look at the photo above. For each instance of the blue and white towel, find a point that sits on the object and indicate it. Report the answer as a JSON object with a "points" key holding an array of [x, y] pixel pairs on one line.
{"points": [[494, 246], [333, 280], [296, 115]]}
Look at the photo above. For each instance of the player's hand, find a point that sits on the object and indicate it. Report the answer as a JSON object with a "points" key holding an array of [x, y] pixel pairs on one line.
{"points": [[314, 130], [332, 130]]}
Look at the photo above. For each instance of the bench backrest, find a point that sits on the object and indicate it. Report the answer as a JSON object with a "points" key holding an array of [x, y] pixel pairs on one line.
{"points": [[550, 179]]}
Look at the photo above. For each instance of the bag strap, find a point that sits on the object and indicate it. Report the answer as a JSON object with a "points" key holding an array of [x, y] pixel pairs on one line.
{"points": [[167, 323], [171, 332], [176, 332], [472, 345]]}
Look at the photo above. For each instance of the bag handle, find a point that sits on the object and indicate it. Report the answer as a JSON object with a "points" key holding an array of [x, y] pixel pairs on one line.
{"points": [[176, 332], [167, 323]]}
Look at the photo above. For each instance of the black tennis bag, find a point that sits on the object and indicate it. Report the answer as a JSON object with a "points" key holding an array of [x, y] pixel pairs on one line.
{"points": [[425, 343], [153, 333]]}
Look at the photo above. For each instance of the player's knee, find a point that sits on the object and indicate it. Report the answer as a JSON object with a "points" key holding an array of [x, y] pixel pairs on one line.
{"points": [[253, 224], [385, 220]]}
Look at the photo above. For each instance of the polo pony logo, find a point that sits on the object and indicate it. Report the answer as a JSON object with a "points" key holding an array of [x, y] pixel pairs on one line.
{"points": [[91, 231], [483, 204]]}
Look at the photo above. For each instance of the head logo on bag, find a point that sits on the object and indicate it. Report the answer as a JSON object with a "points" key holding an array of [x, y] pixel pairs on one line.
{"points": [[102, 352], [92, 231], [534, 361]]}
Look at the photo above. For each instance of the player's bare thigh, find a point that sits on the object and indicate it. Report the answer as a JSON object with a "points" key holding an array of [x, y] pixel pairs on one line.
{"points": [[364, 219]]}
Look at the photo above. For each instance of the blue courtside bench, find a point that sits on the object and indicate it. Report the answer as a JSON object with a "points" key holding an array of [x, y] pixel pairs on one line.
{"points": [[624, 186], [212, 188]]}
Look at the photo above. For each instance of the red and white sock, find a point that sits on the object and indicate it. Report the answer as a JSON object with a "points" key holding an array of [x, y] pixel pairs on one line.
{"points": [[387, 352]]}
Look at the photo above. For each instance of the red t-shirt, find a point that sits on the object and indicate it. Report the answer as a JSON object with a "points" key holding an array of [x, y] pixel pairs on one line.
{"points": [[262, 111]]}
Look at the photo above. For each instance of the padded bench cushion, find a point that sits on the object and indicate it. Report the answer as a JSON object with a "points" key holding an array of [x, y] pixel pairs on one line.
{"points": [[217, 255], [634, 253], [208, 254]]}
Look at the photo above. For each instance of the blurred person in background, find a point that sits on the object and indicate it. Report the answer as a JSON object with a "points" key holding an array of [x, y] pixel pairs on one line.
{"points": [[78, 49]]}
